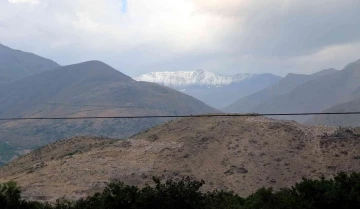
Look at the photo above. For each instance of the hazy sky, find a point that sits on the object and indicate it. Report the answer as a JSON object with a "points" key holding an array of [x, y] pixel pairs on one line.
{"points": [[224, 36]]}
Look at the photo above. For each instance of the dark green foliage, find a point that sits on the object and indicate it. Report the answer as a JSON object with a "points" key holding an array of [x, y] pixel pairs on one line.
{"points": [[9, 195], [224, 200], [343, 191]]}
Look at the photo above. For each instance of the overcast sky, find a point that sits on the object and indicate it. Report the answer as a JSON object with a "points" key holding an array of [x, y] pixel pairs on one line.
{"points": [[223, 36]]}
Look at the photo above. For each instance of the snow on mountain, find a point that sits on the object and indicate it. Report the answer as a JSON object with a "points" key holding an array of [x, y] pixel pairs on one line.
{"points": [[186, 78]]}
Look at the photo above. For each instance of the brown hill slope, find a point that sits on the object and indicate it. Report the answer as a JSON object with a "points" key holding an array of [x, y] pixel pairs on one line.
{"points": [[86, 89], [240, 154], [16, 64]]}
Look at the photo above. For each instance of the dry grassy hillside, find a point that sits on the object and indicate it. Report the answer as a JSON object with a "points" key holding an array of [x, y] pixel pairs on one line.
{"points": [[230, 153]]}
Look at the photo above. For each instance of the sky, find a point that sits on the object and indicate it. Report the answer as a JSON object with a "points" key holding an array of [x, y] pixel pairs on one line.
{"points": [[222, 36]]}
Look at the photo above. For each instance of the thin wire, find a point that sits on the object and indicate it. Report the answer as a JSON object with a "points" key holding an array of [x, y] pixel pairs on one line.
{"points": [[180, 116]]}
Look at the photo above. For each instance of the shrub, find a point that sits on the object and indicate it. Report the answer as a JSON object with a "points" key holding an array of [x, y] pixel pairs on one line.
{"points": [[343, 191]]}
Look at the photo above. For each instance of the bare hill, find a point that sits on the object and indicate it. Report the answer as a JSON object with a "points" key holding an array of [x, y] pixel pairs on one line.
{"points": [[240, 154], [16, 64], [86, 89]]}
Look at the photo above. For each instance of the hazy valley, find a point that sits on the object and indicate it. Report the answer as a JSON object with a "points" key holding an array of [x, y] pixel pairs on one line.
{"points": [[215, 90]]}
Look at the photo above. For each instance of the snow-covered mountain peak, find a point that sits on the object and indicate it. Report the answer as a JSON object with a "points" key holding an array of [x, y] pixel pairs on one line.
{"points": [[186, 78]]}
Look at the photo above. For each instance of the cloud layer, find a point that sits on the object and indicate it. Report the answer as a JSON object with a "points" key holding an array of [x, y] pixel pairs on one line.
{"points": [[225, 36]]}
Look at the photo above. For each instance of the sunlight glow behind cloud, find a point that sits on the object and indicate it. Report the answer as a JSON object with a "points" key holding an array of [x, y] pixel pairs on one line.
{"points": [[219, 35], [24, 1]]}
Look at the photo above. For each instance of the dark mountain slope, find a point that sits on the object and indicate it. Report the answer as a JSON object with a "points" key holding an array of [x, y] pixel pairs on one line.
{"points": [[16, 64], [62, 84], [285, 85], [86, 89], [316, 95], [339, 120]]}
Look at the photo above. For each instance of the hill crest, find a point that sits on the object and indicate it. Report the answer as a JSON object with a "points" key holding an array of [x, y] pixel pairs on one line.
{"points": [[230, 153], [16, 64]]}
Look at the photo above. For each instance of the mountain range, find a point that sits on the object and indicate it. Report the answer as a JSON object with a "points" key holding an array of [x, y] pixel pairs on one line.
{"points": [[187, 78], [91, 88], [215, 90], [329, 90], [42, 88], [284, 86], [87, 89], [339, 120], [240, 154]]}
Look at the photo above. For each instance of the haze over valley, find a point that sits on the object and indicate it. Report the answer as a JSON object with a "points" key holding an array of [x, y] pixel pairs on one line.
{"points": [[215, 90]]}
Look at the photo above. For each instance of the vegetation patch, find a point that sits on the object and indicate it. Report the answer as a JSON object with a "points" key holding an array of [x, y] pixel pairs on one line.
{"points": [[343, 191]]}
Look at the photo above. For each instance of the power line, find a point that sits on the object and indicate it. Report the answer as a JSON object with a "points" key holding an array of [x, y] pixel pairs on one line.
{"points": [[180, 116]]}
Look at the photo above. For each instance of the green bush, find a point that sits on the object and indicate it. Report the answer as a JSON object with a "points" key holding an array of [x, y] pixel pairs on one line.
{"points": [[343, 191]]}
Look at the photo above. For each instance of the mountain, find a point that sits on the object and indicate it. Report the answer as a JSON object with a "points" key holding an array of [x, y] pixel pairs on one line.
{"points": [[339, 120], [316, 95], [16, 64], [213, 89], [284, 86], [187, 78], [86, 89], [230, 153], [353, 105]]}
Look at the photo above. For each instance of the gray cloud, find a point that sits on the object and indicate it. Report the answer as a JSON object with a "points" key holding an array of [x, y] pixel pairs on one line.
{"points": [[225, 36], [301, 29]]}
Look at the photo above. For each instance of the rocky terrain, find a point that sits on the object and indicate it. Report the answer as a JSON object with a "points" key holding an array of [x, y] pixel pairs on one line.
{"points": [[230, 153]]}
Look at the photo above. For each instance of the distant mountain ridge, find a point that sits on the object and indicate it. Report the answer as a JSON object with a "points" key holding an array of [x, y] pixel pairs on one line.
{"points": [[317, 95], [328, 90], [284, 86], [215, 90], [352, 105], [339, 120], [16, 64], [187, 78]]}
